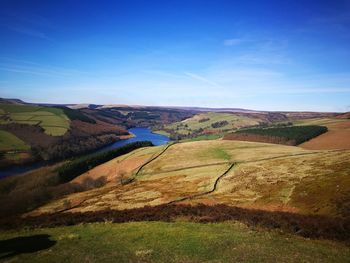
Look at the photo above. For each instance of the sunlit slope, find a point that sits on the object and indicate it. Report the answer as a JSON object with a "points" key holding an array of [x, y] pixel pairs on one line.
{"points": [[253, 175]]}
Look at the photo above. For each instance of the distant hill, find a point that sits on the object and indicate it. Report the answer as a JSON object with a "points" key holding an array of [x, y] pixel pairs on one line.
{"points": [[12, 101], [345, 115], [29, 131]]}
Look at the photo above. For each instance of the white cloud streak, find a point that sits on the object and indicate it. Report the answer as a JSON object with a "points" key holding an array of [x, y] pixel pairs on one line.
{"points": [[234, 41], [201, 78]]}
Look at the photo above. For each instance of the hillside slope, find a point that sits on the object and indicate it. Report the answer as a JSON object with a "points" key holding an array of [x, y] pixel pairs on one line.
{"points": [[31, 132], [245, 174]]}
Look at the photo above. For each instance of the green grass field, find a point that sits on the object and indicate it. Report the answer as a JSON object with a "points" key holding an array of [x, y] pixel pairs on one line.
{"points": [[10, 142], [53, 120], [166, 242]]}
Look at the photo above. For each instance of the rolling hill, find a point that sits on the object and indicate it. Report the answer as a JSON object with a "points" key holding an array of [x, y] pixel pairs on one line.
{"points": [[254, 198], [31, 132], [244, 174]]}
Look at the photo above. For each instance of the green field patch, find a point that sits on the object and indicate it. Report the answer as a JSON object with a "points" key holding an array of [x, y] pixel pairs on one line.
{"points": [[55, 131], [215, 153], [18, 108], [10, 142]]}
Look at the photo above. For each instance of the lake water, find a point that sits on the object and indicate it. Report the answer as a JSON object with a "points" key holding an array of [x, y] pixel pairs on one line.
{"points": [[141, 134]]}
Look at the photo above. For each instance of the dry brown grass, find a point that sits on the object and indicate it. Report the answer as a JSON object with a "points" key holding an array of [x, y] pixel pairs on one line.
{"points": [[338, 137], [269, 177]]}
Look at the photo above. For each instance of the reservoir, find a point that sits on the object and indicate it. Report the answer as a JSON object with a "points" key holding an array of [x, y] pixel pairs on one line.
{"points": [[140, 134]]}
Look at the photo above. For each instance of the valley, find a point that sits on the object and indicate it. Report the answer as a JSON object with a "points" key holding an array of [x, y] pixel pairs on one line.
{"points": [[264, 172]]}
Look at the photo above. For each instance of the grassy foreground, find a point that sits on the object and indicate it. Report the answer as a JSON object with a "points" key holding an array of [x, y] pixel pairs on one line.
{"points": [[165, 242]]}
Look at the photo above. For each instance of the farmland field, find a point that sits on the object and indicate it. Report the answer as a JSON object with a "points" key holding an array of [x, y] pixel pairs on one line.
{"points": [[52, 120], [211, 122], [10, 142]]}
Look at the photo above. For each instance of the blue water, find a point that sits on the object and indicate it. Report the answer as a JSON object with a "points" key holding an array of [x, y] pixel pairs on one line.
{"points": [[141, 134]]}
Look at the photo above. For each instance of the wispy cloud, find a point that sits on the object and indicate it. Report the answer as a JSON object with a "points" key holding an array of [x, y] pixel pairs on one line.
{"points": [[32, 68], [30, 32], [234, 41], [27, 24], [163, 74], [200, 78]]}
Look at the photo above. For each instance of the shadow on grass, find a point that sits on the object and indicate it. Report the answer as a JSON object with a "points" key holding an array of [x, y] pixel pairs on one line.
{"points": [[24, 245], [311, 226]]}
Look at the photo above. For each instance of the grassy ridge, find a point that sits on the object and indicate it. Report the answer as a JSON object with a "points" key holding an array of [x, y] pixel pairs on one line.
{"points": [[72, 169], [296, 134]]}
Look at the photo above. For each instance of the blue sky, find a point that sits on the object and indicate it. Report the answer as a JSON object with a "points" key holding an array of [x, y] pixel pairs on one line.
{"points": [[264, 55]]}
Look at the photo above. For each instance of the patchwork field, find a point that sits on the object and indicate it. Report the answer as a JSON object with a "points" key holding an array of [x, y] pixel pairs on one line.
{"points": [[52, 120], [210, 122]]}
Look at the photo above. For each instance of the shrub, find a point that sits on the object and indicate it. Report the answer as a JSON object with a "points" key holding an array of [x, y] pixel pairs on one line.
{"points": [[219, 124], [204, 120]]}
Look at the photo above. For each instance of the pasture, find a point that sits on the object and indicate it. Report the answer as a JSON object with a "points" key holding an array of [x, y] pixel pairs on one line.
{"points": [[9, 142], [52, 120], [207, 121]]}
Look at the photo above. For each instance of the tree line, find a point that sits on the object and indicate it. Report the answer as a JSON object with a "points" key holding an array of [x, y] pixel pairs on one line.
{"points": [[292, 135], [72, 169]]}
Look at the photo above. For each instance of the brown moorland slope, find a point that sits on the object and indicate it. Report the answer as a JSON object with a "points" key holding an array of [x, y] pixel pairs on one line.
{"points": [[337, 137], [242, 174]]}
